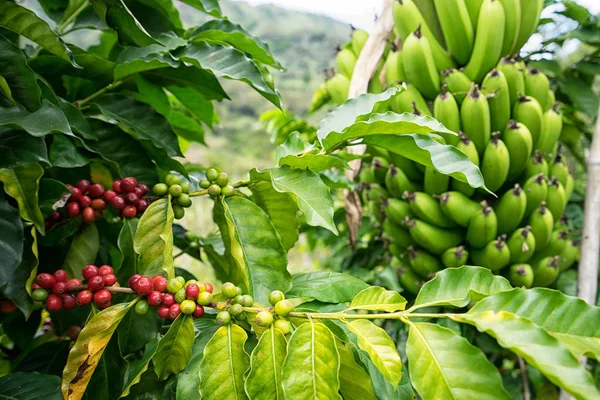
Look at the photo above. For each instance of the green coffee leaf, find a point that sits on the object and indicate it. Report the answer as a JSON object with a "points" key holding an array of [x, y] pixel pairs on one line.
{"points": [[117, 16], [222, 30], [93, 66], [21, 81], [83, 251], [537, 347], [564, 317], [258, 262], [326, 286], [47, 119], [199, 106], [86, 353], [355, 383], [380, 347], [30, 386], [18, 286], [208, 6], [153, 240], [376, 298], [310, 370], [64, 153], [17, 149], [78, 122], [264, 379], [459, 286], [47, 358], [224, 364], [175, 348], [307, 189], [432, 353], [24, 22], [11, 240], [109, 375], [128, 262], [22, 184], [147, 63], [189, 76]]}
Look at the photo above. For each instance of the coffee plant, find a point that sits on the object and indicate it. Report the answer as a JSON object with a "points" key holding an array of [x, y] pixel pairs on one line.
{"points": [[93, 178]]}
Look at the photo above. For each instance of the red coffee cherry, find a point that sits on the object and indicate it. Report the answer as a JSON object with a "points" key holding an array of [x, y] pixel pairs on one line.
{"points": [[141, 205], [138, 192], [116, 186], [69, 302], [143, 286], [129, 211], [85, 201], [73, 209], [106, 270], [129, 184], [168, 299], [134, 278], [73, 332], [109, 279], [75, 194], [96, 283], [104, 306], [160, 283], [98, 204], [191, 291], [102, 297], [144, 188], [35, 286], [84, 297], [163, 312], [109, 195], [174, 311], [48, 224], [56, 216], [7, 306], [45, 281], [209, 288], [88, 215], [83, 185], [199, 311], [61, 275], [96, 190], [131, 198], [155, 299], [89, 271], [59, 288], [73, 284], [53, 302], [118, 203]]}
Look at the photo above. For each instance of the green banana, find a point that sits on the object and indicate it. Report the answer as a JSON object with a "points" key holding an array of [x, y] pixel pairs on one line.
{"points": [[521, 245], [530, 17], [397, 210], [495, 87], [397, 182], [395, 250], [375, 85], [427, 9], [556, 199], [425, 207], [495, 164], [455, 257], [512, 24], [560, 169], [375, 151], [359, 38], [366, 174], [394, 69], [407, 19], [457, 82], [459, 207], [320, 98], [551, 129], [519, 143], [409, 99], [457, 28], [568, 256], [409, 280], [494, 256], [541, 222], [545, 272], [536, 165], [397, 235], [557, 243], [474, 7], [562, 223], [345, 62], [419, 65], [536, 189], [432, 238], [445, 110], [569, 187], [483, 227], [537, 85], [407, 166], [375, 193], [468, 147], [337, 88], [551, 100], [511, 209], [514, 77], [435, 182], [475, 118], [380, 168], [528, 111], [521, 275], [423, 263], [489, 39]]}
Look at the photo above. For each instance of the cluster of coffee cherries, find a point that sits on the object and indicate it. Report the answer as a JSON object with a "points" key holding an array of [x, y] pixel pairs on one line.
{"points": [[58, 291], [217, 183], [91, 199], [281, 308], [179, 191]]}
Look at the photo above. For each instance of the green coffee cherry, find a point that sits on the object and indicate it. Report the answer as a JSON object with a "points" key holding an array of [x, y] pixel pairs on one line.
{"points": [[223, 318], [212, 174], [204, 298], [181, 279], [204, 183], [188, 307], [229, 290], [178, 211], [236, 310], [222, 180], [238, 291], [276, 296], [283, 325], [180, 296], [248, 301], [185, 187], [228, 191], [264, 318], [214, 190], [184, 200], [239, 299], [283, 308], [141, 307], [175, 190], [171, 180], [160, 189], [191, 236], [39, 294], [194, 245], [174, 285]]}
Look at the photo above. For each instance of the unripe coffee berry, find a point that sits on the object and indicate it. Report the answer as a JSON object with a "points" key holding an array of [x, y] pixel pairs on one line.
{"points": [[209, 287], [96, 190], [185, 187], [116, 186], [174, 311], [175, 191], [75, 194], [109, 279], [45, 280], [129, 184], [168, 299], [118, 203], [239, 299], [160, 283], [106, 270], [171, 180], [212, 174], [141, 307], [223, 318], [69, 302], [283, 326], [229, 290], [214, 190], [283, 308], [238, 291], [129, 211], [236, 310], [61, 275], [178, 211], [53, 303], [163, 312], [199, 312], [204, 299], [95, 283], [194, 245], [143, 286], [73, 284], [180, 296], [109, 195], [102, 297], [276, 296], [59, 288], [264, 318], [188, 307], [89, 271], [184, 200], [228, 191], [204, 184], [88, 215], [134, 278], [174, 285], [99, 204], [222, 180], [85, 201], [191, 291], [39, 295], [181, 279], [248, 301], [84, 297], [155, 298], [73, 209], [160, 189], [83, 185]]}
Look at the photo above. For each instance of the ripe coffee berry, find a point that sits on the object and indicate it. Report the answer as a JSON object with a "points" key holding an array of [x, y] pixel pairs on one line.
{"points": [[155, 298], [129, 211], [209, 288], [143, 286], [141, 307], [229, 290], [188, 307], [7, 306], [83, 185], [191, 292], [69, 302], [39, 294], [88, 215], [73, 332], [96, 283], [103, 306], [106, 270], [89, 271], [160, 283], [163, 312], [199, 312], [85, 201], [102, 297], [75, 194], [141, 205], [60, 275], [109, 195], [98, 204], [59, 288], [174, 311], [118, 203], [131, 198], [56, 216], [168, 299], [35, 286], [129, 184], [138, 192], [109, 279], [116, 186], [45, 281], [96, 190], [134, 278], [53, 303], [72, 284], [144, 188], [73, 209], [276, 296], [84, 297]]}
